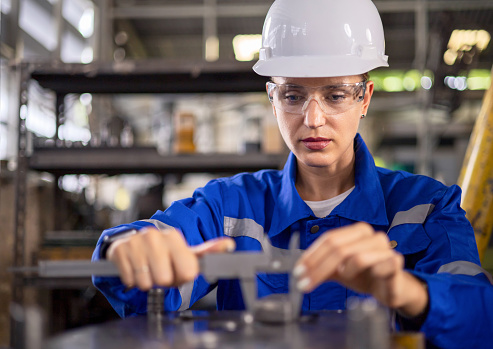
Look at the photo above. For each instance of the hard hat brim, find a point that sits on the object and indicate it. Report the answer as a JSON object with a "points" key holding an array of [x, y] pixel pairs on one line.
{"points": [[318, 66]]}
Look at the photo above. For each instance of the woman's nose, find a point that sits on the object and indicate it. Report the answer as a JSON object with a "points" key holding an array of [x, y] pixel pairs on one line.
{"points": [[313, 114]]}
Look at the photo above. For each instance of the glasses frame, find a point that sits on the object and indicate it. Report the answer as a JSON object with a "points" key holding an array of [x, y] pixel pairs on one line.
{"points": [[272, 85]]}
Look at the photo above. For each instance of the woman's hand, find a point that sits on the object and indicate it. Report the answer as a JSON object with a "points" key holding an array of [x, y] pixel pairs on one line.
{"points": [[160, 258], [361, 259]]}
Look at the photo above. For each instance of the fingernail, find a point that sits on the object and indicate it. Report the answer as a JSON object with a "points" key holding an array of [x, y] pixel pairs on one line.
{"points": [[231, 247], [299, 270], [303, 284]]}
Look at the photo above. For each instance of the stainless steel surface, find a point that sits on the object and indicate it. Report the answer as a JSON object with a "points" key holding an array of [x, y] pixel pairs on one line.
{"points": [[226, 329]]}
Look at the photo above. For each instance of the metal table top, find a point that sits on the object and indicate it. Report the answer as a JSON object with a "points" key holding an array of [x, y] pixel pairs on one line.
{"points": [[200, 329]]}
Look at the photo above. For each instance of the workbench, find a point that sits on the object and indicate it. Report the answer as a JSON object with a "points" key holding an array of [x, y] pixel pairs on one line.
{"points": [[201, 329]]}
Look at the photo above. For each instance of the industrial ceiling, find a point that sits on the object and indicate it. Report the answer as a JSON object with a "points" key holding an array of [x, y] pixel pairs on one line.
{"points": [[178, 29]]}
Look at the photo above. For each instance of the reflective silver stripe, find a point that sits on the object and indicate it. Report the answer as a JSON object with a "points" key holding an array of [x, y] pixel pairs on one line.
{"points": [[464, 268], [186, 295], [415, 215], [236, 227], [157, 223]]}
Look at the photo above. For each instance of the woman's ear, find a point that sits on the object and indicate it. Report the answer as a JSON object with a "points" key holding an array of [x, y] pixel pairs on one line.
{"points": [[368, 95]]}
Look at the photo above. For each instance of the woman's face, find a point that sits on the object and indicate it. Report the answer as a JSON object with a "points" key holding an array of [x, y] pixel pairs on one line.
{"points": [[317, 137]]}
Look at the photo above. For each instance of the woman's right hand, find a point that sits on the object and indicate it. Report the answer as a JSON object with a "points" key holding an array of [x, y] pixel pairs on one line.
{"points": [[161, 258]]}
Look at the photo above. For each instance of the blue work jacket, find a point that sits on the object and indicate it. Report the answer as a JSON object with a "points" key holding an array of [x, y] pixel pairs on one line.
{"points": [[420, 214]]}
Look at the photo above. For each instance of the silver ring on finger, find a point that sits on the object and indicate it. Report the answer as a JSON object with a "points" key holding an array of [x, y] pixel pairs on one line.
{"points": [[143, 269]]}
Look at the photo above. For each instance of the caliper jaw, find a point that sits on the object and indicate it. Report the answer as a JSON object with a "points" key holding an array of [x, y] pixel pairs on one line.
{"points": [[274, 308]]}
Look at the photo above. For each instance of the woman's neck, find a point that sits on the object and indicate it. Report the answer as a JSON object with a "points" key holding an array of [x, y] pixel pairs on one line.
{"points": [[322, 183]]}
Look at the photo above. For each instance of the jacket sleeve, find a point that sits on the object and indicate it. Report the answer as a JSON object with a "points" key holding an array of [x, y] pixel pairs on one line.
{"points": [[199, 218], [461, 293]]}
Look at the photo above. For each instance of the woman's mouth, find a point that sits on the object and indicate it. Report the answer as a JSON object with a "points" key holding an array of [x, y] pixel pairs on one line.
{"points": [[317, 143]]}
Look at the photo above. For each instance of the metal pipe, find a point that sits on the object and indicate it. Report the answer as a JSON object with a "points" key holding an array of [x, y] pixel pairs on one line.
{"points": [[476, 177]]}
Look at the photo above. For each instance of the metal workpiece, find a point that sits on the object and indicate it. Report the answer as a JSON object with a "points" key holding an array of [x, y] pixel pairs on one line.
{"points": [[277, 308], [155, 303], [368, 324]]}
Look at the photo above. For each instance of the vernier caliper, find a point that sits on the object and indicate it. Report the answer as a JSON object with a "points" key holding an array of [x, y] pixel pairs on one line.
{"points": [[243, 265]]}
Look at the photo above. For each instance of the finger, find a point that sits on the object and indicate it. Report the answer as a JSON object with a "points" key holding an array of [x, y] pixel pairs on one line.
{"points": [[387, 268], [184, 262], [329, 241], [330, 267], [139, 263], [380, 262], [158, 257], [116, 254], [222, 244], [326, 267]]}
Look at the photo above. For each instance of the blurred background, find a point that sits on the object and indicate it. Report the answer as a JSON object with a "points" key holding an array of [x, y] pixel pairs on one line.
{"points": [[112, 109]]}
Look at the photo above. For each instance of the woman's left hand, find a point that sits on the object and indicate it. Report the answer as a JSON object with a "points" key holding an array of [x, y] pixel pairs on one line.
{"points": [[361, 259]]}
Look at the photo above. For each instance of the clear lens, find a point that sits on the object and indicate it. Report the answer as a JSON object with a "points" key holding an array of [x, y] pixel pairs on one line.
{"points": [[332, 99]]}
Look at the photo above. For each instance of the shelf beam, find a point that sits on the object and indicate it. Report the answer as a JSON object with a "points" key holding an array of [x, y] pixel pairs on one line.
{"points": [[117, 160], [151, 77]]}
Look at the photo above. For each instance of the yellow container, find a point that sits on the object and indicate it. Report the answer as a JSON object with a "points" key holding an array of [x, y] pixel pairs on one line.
{"points": [[184, 133]]}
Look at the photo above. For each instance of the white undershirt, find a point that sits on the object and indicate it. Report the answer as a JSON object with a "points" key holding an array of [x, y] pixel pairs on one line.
{"points": [[324, 208]]}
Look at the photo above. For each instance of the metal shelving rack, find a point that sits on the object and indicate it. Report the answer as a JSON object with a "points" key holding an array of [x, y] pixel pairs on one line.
{"points": [[123, 78]]}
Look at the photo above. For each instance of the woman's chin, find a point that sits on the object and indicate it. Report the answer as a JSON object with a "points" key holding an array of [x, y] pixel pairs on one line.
{"points": [[316, 159]]}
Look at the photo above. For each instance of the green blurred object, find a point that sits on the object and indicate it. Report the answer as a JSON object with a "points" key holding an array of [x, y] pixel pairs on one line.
{"points": [[487, 262]]}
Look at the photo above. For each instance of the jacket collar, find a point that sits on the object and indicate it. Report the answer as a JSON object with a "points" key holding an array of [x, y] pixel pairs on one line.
{"points": [[365, 203]]}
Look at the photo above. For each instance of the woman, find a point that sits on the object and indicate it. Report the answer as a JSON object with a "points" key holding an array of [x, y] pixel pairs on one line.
{"points": [[399, 237]]}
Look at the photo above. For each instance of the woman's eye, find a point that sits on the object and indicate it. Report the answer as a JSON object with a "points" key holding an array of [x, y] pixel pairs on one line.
{"points": [[336, 97], [292, 98]]}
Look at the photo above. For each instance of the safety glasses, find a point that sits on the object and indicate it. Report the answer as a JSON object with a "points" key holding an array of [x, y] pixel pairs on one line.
{"points": [[332, 99]]}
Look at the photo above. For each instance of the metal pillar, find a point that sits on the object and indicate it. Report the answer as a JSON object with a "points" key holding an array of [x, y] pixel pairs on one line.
{"points": [[103, 31], [12, 35], [58, 16], [20, 197], [423, 136], [476, 177]]}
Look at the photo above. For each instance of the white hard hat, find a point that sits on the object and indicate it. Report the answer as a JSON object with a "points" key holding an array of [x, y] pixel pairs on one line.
{"points": [[321, 38]]}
